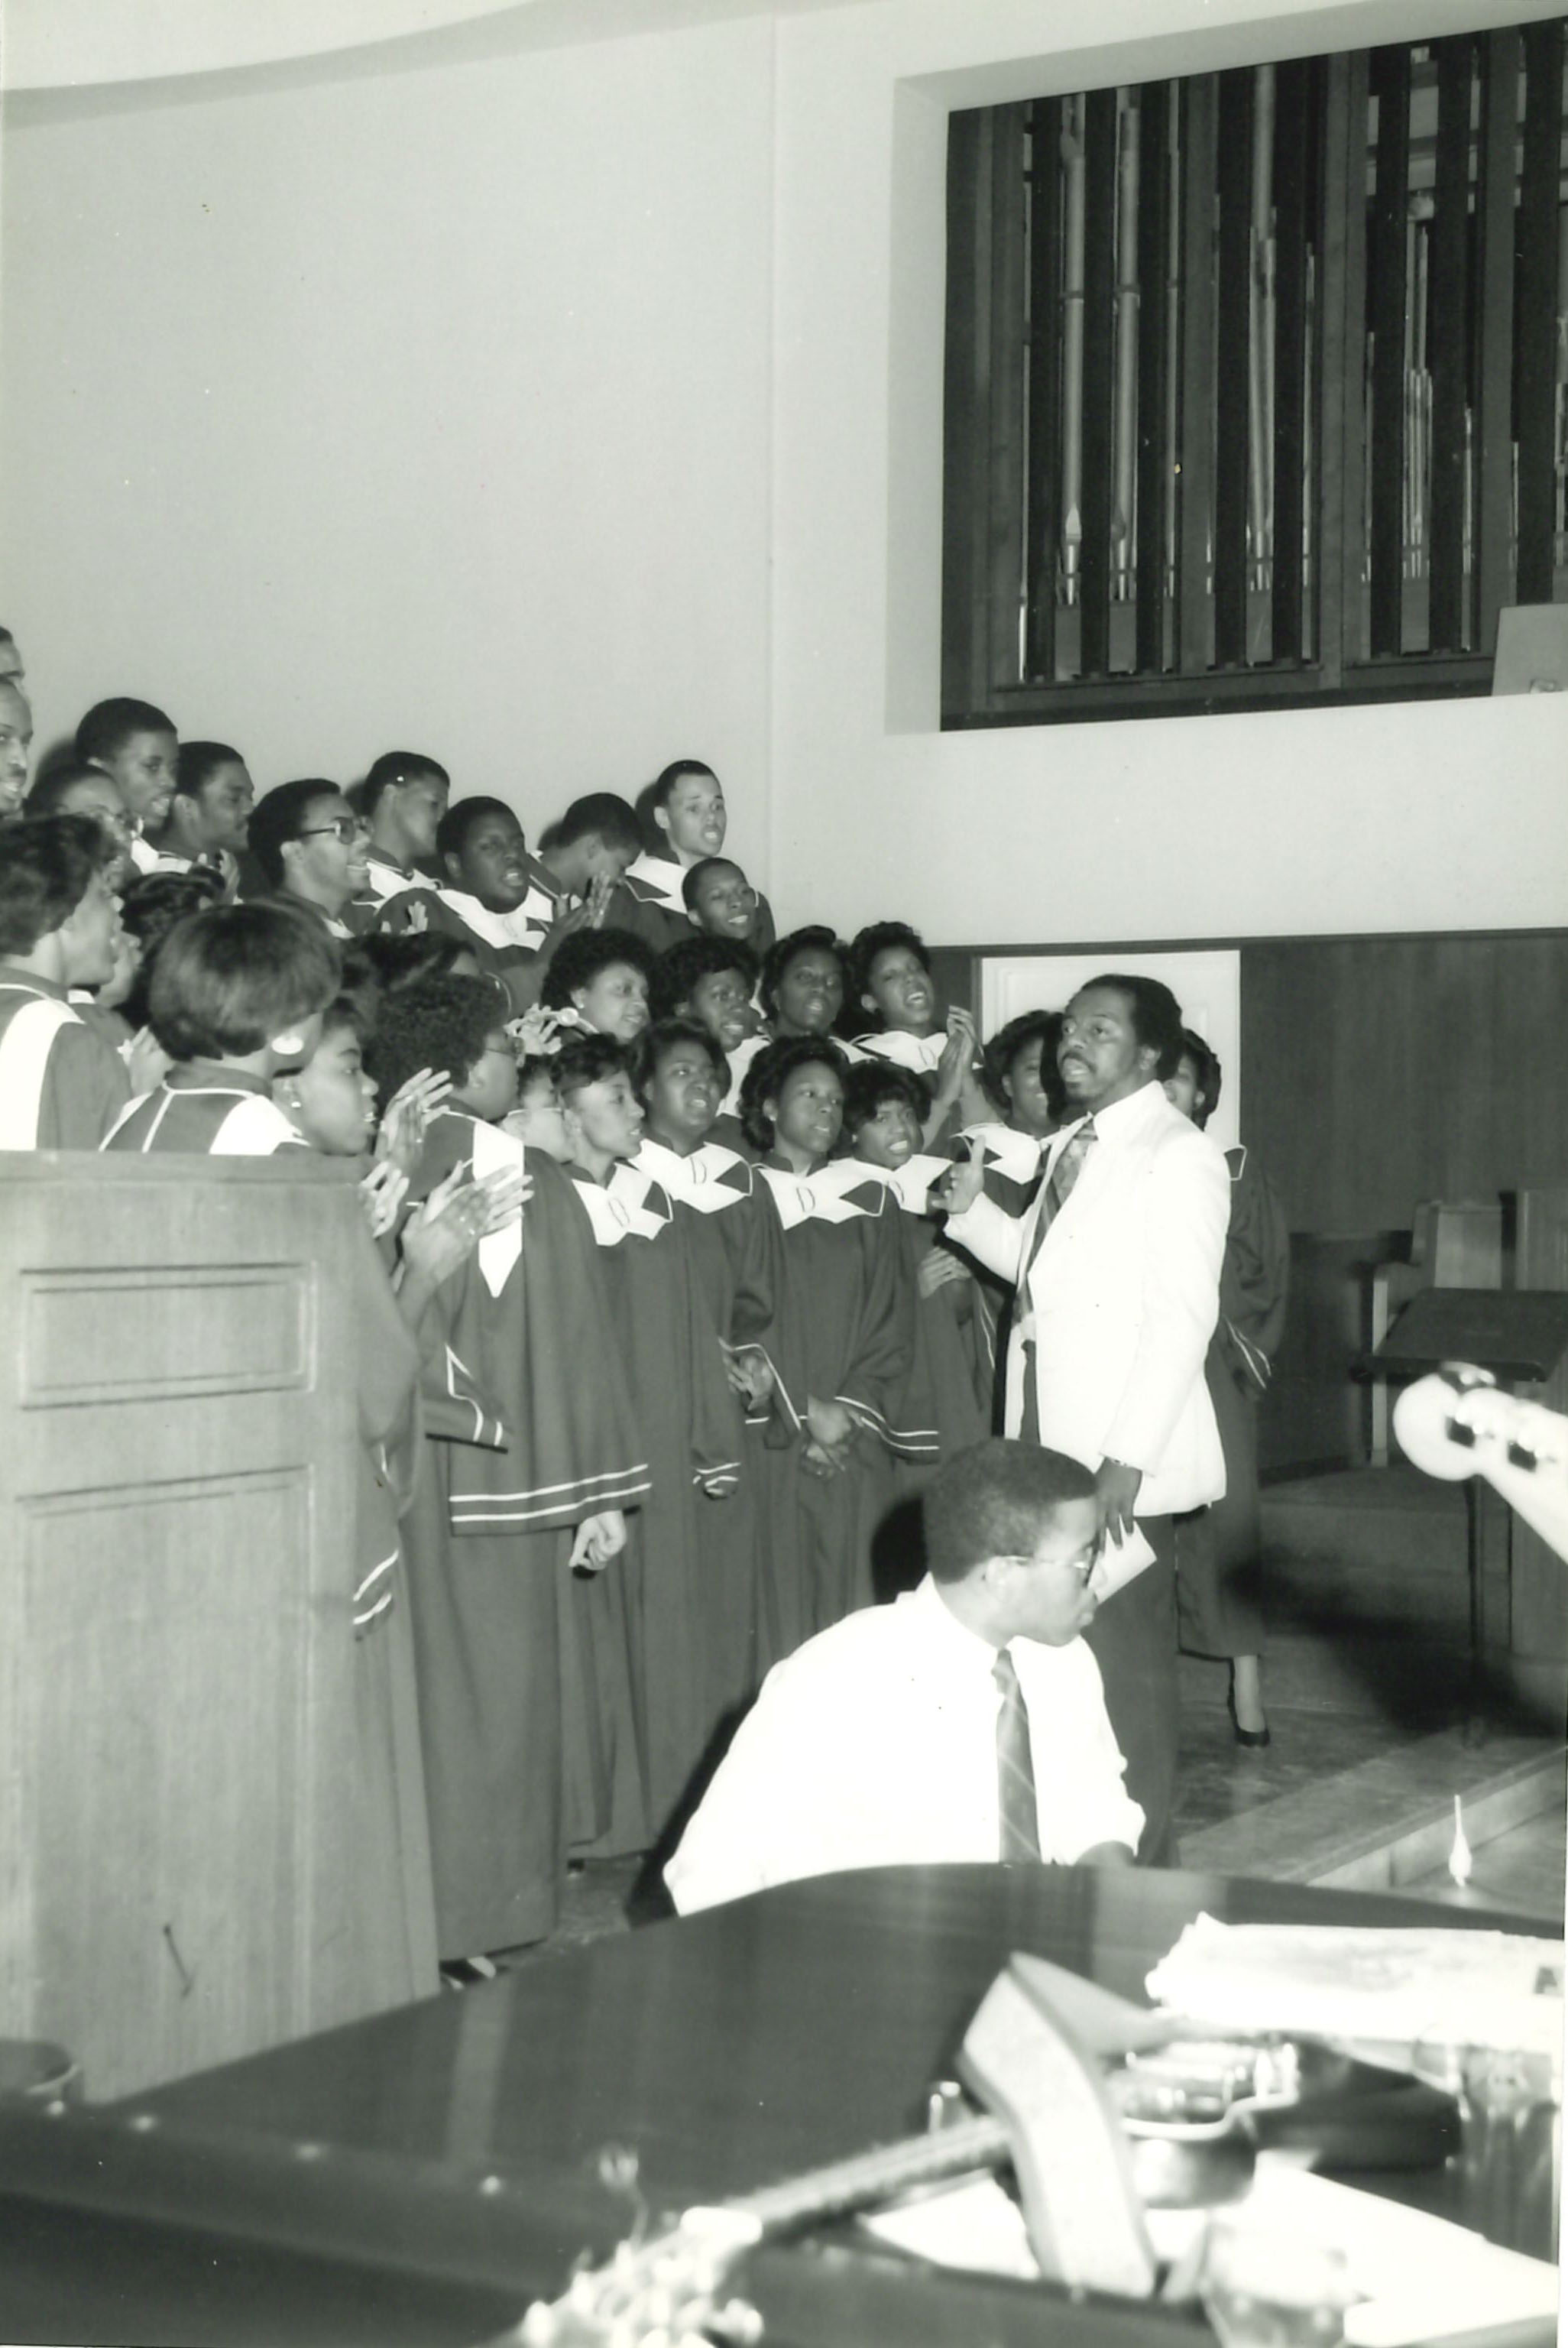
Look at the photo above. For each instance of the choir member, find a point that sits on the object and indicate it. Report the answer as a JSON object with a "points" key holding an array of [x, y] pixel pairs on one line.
{"points": [[61, 1086], [690, 1418], [885, 1109], [736, 1246], [71, 788], [308, 847], [685, 808], [209, 814], [491, 897], [239, 994], [602, 979], [803, 986], [403, 799], [847, 1338], [15, 742], [584, 854], [137, 744], [721, 902], [889, 976], [496, 1525], [1019, 1077], [1219, 1548], [712, 979], [11, 669]]}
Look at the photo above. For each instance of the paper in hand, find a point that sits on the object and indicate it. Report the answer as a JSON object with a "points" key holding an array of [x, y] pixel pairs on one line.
{"points": [[1119, 1562]]}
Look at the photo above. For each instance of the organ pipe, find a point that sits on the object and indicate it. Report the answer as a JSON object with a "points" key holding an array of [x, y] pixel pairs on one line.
{"points": [[1072, 349]]}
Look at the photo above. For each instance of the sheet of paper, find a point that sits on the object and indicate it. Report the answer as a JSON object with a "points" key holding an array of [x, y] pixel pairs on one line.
{"points": [[1119, 1562]]}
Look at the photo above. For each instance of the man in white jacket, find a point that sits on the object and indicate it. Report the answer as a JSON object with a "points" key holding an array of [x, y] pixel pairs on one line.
{"points": [[1116, 1263]]}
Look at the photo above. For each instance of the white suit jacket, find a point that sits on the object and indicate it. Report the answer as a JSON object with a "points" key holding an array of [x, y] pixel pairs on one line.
{"points": [[1122, 1297]]}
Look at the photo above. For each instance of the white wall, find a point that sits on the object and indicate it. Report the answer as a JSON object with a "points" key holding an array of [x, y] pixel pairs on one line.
{"points": [[428, 409], [571, 410]]}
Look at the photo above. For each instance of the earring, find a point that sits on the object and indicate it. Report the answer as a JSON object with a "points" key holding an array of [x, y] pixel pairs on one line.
{"points": [[290, 1043]]}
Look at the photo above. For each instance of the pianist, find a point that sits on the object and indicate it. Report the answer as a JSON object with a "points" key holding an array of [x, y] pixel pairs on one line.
{"points": [[965, 1721]]}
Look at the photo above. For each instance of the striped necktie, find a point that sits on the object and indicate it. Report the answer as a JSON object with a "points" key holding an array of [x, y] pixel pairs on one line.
{"points": [[1015, 1768], [1069, 1165]]}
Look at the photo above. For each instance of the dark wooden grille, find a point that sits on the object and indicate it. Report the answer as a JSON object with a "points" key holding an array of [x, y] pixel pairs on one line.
{"points": [[1255, 382]]}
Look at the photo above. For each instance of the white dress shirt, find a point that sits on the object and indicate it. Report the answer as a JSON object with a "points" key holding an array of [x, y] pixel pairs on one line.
{"points": [[875, 1745], [1121, 1298]]}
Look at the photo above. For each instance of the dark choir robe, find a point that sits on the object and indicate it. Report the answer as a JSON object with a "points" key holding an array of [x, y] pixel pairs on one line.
{"points": [[846, 1332], [647, 1661], [736, 1253], [951, 1363], [62, 1085], [1011, 1177], [505, 945], [205, 1109], [489, 1536], [1218, 1549]]}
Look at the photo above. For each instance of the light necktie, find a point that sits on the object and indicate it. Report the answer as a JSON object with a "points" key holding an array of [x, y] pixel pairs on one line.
{"points": [[1020, 1819], [1069, 1165]]}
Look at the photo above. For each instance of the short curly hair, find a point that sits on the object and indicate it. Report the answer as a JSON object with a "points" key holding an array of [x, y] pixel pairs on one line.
{"points": [[443, 1023], [815, 938], [685, 964], [1002, 1050], [1207, 1071], [867, 944], [665, 1034], [871, 1082], [772, 1069], [579, 960], [585, 1060], [152, 906]]}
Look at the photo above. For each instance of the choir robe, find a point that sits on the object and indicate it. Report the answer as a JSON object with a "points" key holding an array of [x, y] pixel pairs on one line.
{"points": [[62, 1085], [690, 1416], [737, 1261], [1219, 1548], [1011, 1161], [846, 1332], [950, 1383], [505, 945], [202, 1108], [491, 1534]]}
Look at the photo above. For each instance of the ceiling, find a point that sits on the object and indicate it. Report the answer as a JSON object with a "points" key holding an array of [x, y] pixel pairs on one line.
{"points": [[62, 44]]}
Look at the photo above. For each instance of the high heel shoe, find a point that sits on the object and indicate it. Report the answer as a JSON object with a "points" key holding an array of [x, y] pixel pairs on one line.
{"points": [[1255, 1737]]}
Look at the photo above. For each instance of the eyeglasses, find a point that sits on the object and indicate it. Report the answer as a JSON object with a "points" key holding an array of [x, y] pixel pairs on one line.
{"points": [[1081, 1567], [346, 827]]}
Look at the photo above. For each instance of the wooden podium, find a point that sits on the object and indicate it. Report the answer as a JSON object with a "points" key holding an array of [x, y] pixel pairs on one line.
{"points": [[177, 1438]]}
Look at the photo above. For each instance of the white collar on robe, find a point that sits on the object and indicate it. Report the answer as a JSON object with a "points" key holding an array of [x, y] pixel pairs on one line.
{"points": [[825, 1197], [631, 1205], [921, 1054], [523, 926], [740, 1060], [664, 878], [1014, 1155], [910, 1182], [712, 1179], [496, 1152]]}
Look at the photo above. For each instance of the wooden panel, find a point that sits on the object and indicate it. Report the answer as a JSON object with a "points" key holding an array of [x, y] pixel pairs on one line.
{"points": [[1391, 88], [1295, 87], [1447, 342], [1381, 1072], [123, 1335], [1155, 487], [177, 1729], [1492, 578], [1232, 364], [1099, 372], [1536, 351], [1044, 545], [1540, 1580], [1195, 617]]}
